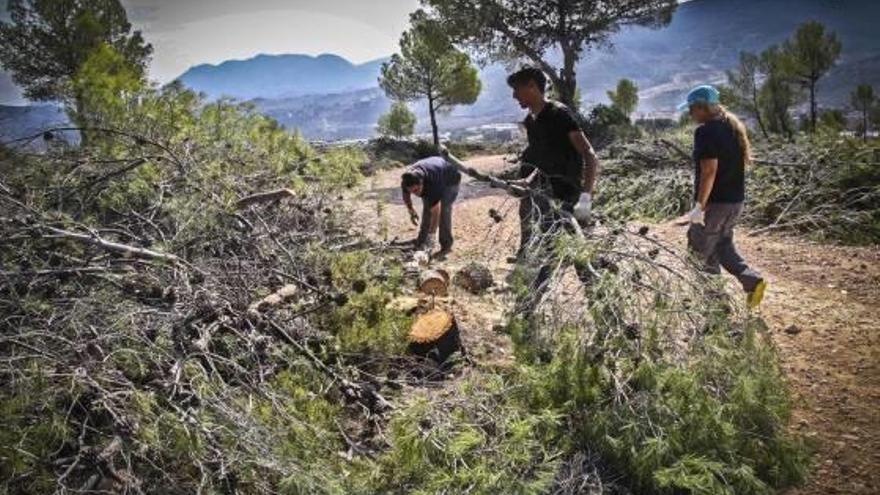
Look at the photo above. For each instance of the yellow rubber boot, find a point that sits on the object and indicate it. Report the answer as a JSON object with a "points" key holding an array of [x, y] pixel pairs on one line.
{"points": [[754, 298]]}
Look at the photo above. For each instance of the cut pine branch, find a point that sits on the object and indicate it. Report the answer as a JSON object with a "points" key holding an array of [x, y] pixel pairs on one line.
{"points": [[513, 190], [264, 197], [123, 249]]}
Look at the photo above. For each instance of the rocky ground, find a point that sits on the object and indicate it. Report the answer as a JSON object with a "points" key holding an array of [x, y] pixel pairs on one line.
{"points": [[822, 310]]}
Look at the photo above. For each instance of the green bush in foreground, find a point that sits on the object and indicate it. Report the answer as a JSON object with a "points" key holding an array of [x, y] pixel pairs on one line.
{"points": [[715, 425]]}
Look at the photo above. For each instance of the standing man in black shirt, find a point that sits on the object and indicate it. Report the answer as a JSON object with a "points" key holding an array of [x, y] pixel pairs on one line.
{"points": [[559, 161], [436, 181]]}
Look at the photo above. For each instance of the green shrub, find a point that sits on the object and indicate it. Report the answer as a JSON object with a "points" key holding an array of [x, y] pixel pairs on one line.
{"points": [[714, 424], [476, 438]]}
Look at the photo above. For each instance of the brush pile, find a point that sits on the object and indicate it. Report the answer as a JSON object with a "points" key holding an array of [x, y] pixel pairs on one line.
{"points": [[827, 188], [186, 309]]}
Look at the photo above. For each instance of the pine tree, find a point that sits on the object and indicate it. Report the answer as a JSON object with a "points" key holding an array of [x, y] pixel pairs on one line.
{"points": [[626, 97], [429, 66], [779, 93], [505, 30], [399, 122], [863, 100], [744, 87], [45, 42], [808, 56]]}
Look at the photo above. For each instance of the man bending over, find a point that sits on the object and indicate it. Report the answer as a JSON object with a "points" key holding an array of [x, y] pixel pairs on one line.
{"points": [[435, 181]]}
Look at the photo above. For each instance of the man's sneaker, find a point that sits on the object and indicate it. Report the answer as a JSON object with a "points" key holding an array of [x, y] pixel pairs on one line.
{"points": [[754, 298]]}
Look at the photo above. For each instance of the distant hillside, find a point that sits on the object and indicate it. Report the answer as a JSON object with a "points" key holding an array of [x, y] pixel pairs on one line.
{"points": [[21, 121], [280, 76], [704, 39]]}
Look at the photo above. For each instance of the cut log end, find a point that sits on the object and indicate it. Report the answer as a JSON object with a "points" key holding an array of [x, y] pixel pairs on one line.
{"points": [[435, 334], [434, 282], [430, 326]]}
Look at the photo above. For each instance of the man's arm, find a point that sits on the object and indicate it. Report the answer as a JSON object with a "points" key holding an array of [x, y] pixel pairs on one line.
{"points": [[591, 161], [708, 170], [407, 200]]}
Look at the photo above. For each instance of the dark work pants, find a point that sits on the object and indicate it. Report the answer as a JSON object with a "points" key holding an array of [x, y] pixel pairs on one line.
{"points": [[450, 193], [713, 244], [539, 227]]}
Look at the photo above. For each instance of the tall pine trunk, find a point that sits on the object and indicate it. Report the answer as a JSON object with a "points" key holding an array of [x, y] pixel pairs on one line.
{"points": [[78, 115], [758, 117], [433, 113], [813, 105], [568, 81]]}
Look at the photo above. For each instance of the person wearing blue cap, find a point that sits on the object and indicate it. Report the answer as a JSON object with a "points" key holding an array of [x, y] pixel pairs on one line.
{"points": [[721, 153]]}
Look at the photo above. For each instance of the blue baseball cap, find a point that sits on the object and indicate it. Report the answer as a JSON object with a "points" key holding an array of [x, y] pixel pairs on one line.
{"points": [[701, 94]]}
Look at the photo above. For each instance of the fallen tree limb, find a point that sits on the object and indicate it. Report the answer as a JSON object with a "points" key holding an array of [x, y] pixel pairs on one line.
{"points": [[274, 299], [123, 249], [513, 190], [264, 197]]}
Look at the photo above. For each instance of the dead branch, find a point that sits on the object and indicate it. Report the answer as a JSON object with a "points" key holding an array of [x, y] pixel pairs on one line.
{"points": [[123, 249], [264, 197]]}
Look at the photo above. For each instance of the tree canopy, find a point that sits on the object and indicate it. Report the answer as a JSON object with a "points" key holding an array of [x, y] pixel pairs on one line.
{"points": [[398, 122], [47, 41], [808, 56], [778, 95], [744, 87], [511, 30], [863, 100], [626, 97], [429, 66]]}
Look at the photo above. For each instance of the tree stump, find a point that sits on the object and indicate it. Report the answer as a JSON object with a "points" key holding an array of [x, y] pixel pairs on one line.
{"points": [[434, 282], [474, 278], [435, 334]]}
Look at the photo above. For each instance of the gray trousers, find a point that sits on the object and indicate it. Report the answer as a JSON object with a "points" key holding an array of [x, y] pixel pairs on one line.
{"points": [[713, 244], [450, 193]]}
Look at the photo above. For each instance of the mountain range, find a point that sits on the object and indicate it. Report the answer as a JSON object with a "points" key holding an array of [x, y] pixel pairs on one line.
{"points": [[704, 39], [328, 97], [282, 76]]}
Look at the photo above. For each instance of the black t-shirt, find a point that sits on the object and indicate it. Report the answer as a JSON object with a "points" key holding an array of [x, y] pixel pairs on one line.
{"points": [[437, 174], [550, 149], [717, 139]]}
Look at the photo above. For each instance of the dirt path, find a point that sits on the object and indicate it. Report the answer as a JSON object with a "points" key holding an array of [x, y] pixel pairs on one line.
{"points": [[823, 310]]}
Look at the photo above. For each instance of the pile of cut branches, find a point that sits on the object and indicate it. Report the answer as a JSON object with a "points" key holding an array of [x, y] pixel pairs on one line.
{"points": [[186, 309], [827, 188], [178, 310]]}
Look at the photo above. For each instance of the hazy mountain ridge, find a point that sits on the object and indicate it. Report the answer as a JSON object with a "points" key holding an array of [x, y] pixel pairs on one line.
{"points": [[703, 40], [281, 76], [328, 97], [20, 121]]}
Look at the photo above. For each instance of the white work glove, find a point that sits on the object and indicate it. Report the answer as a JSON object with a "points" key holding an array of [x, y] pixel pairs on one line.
{"points": [[584, 207], [697, 215]]}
